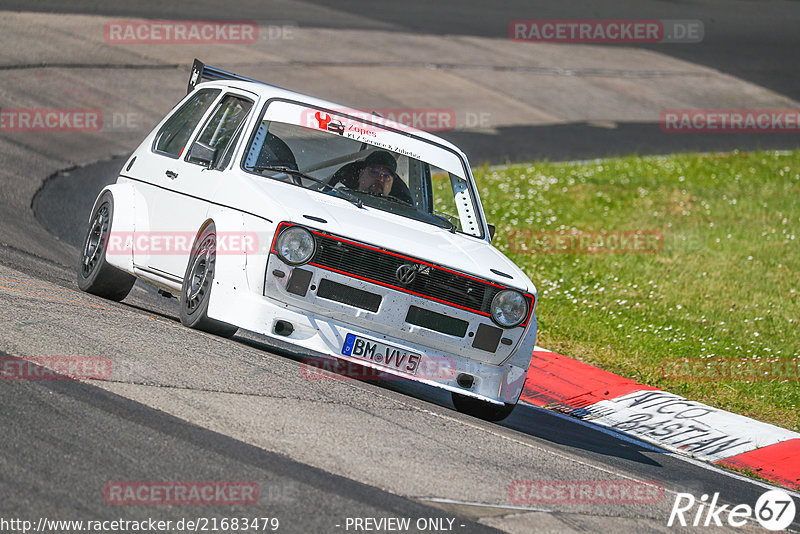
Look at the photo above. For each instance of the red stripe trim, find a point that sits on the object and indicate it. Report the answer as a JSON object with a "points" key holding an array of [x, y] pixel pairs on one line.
{"points": [[277, 233], [531, 302], [530, 309], [415, 260]]}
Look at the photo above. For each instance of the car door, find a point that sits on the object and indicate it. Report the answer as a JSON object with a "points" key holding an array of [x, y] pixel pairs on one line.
{"points": [[193, 183], [155, 173]]}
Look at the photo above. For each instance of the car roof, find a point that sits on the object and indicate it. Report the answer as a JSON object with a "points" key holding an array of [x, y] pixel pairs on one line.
{"points": [[267, 91]]}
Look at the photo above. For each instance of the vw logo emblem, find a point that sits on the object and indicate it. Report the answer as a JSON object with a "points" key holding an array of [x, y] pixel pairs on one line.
{"points": [[406, 273]]}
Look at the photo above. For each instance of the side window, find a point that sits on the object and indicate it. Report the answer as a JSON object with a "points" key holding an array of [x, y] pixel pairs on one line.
{"points": [[226, 156], [221, 130], [452, 201], [174, 135]]}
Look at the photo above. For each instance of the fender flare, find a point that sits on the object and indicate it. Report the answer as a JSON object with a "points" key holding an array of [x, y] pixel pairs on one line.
{"points": [[230, 277], [123, 223]]}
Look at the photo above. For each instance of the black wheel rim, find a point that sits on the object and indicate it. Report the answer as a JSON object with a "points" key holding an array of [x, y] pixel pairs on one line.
{"points": [[95, 241], [201, 273]]}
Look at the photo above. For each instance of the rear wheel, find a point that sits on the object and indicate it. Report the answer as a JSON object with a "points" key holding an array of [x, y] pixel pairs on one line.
{"points": [[95, 275], [481, 409], [197, 283]]}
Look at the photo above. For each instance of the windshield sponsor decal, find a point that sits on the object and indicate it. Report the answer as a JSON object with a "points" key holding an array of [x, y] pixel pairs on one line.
{"points": [[365, 128], [352, 130], [325, 122]]}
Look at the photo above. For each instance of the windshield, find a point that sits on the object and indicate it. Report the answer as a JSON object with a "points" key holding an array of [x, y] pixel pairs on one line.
{"points": [[365, 165]]}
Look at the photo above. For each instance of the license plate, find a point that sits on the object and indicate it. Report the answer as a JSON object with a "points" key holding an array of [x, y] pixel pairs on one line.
{"points": [[381, 354]]}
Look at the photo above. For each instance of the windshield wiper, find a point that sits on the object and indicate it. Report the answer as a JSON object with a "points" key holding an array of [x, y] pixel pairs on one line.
{"points": [[300, 174], [389, 198], [451, 227], [440, 221]]}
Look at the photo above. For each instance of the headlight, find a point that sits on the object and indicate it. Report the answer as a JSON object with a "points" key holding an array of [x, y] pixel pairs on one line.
{"points": [[295, 245], [509, 308]]}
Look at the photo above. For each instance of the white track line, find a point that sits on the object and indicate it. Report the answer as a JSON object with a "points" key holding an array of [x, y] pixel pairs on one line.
{"points": [[483, 504]]}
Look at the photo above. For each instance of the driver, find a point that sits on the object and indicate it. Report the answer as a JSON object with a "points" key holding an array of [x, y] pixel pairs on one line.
{"points": [[378, 173]]}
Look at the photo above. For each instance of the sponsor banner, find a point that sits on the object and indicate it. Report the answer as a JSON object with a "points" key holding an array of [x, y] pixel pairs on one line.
{"points": [[181, 493], [688, 426], [525, 492], [50, 120], [606, 31], [55, 368], [730, 121]]}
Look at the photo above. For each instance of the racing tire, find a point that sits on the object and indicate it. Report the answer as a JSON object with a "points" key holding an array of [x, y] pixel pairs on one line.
{"points": [[95, 275], [197, 283], [482, 409]]}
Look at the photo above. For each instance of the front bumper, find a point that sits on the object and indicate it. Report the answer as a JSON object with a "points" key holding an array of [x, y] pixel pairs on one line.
{"points": [[320, 326]]}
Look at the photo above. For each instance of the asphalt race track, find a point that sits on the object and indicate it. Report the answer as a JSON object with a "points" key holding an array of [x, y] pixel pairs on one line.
{"points": [[186, 406]]}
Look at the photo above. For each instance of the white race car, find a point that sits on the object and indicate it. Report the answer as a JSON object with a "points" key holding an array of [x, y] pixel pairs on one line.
{"points": [[331, 229]]}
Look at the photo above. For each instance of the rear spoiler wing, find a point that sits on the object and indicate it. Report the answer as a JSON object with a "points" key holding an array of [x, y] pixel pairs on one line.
{"points": [[206, 73]]}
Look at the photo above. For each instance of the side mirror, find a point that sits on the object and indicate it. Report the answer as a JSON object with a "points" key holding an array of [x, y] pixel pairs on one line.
{"points": [[203, 153], [491, 232]]}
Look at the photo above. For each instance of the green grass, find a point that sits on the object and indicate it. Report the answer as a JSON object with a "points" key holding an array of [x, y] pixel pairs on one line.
{"points": [[725, 285]]}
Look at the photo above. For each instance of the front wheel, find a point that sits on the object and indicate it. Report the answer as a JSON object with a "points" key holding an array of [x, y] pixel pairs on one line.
{"points": [[197, 283], [95, 275], [481, 409]]}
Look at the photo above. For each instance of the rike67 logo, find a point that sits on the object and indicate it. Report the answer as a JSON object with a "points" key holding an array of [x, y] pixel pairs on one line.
{"points": [[774, 510]]}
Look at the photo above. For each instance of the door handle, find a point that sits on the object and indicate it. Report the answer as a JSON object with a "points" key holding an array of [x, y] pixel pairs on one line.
{"points": [[172, 175]]}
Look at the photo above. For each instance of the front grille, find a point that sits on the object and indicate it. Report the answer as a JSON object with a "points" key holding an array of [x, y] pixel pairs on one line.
{"points": [[351, 296], [379, 266]]}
